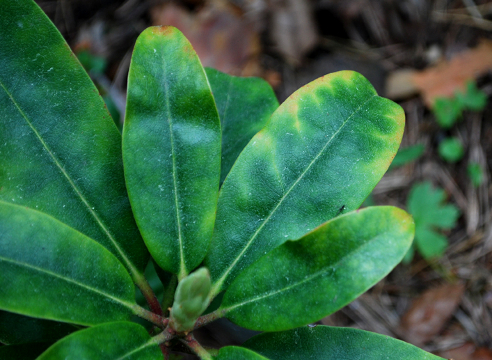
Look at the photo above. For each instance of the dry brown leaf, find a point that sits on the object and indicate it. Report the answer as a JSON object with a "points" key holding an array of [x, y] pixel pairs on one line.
{"points": [[430, 312], [464, 352], [221, 37], [444, 79], [467, 351]]}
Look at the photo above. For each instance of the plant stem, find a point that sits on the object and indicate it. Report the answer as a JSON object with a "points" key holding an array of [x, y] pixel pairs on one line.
{"points": [[205, 319], [164, 350], [150, 316], [196, 347], [164, 336], [149, 295], [212, 351]]}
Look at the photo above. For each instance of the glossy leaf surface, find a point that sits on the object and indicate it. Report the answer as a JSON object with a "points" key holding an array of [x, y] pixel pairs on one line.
{"points": [[171, 149], [245, 106], [18, 329], [305, 280], [238, 353], [51, 271], [333, 343], [112, 341], [321, 154], [60, 152]]}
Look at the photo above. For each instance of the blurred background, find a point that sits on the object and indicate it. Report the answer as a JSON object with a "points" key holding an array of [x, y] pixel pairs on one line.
{"points": [[434, 57]]}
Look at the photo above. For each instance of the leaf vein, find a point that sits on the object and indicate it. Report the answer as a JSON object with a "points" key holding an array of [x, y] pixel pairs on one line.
{"points": [[78, 192], [69, 280], [312, 276], [182, 271]]}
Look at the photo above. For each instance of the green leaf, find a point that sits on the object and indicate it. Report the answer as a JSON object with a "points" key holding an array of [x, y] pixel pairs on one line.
{"points": [[52, 271], [117, 340], [451, 150], [430, 214], [18, 329], [305, 280], [245, 106], [322, 152], [238, 353], [430, 243], [447, 111], [333, 343], [22, 351], [60, 152], [171, 149], [475, 173], [427, 207], [407, 155]]}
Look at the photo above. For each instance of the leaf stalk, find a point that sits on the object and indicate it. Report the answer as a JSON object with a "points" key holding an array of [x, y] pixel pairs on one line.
{"points": [[148, 293], [150, 316], [205, 319], [196, 347]]}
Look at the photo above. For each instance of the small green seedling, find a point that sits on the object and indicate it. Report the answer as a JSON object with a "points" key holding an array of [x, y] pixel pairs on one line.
{"points": [[473, 99], [279, 245], [449, 110], [431, 215], [476, 174], [451, 150], [407, 155], [92, 63]]}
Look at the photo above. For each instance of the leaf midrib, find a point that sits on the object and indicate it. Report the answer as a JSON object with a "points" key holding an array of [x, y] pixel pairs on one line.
{"points": [[78, 192], [218, 284], [69, 280], [182, 267], [311, 277]]}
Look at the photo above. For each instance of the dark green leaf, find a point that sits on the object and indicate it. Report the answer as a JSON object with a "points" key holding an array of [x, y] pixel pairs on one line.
{"points": [[322, 152], [23, 351], [113, 341], [451, 150], [60, 152], [51, 271], [245, 106], [305, 280], [171, 149], [333, 343], [18, 329], [238, 353]]}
